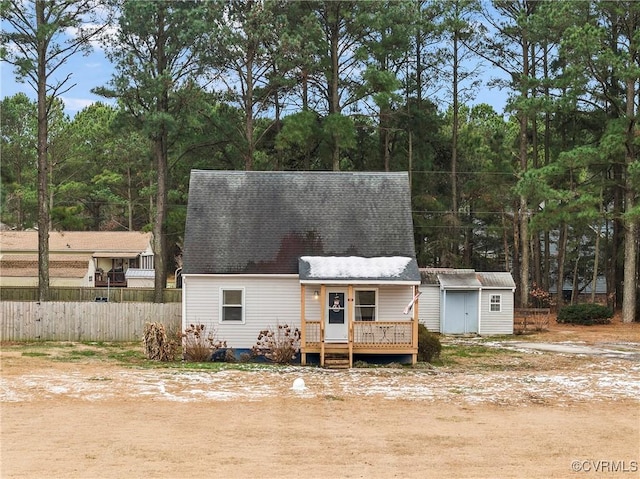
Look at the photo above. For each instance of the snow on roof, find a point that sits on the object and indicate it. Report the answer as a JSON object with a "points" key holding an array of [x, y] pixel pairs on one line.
{"points": [[356, 267]]}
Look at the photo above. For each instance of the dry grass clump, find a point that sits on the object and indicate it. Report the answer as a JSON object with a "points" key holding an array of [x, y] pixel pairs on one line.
{"points": [[159, 344], [279, 345], [197, 346]]}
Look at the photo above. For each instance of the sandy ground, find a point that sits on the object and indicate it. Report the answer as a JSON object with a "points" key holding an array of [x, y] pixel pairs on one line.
{"points": [[526, 414]]}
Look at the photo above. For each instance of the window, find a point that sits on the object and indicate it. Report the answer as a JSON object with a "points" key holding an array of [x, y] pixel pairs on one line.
{"points": [[365, 305], [146, 262], [495, 303], [231, 305]]}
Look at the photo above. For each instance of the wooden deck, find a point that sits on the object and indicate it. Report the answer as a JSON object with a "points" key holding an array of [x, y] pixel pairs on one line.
{"points": [[385, 337], [365, 337]]}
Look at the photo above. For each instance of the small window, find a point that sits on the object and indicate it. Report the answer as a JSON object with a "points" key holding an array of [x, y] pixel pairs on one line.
{"points": [[146, 262], [232, 305], [365, 305], [495, 303]]}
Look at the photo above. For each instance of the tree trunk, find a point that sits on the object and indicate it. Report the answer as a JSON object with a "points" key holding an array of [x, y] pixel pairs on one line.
{"points": [[454, 149], [524, 207], [159, 243], [160, 150], [574, 282], [43, 161], [334, 97], [524, 262], [248, 108], [562, 246], [631, 230], [516, 251]]}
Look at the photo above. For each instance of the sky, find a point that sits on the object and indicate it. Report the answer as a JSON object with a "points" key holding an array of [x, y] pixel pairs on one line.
{"points": [[88, 72], [95, 70]]}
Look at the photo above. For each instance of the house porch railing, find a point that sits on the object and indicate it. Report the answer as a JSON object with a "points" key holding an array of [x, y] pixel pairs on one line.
{"points": [[366, 334]]}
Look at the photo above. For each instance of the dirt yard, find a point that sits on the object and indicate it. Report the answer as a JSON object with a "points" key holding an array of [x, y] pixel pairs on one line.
{"points": [[486, 411]]}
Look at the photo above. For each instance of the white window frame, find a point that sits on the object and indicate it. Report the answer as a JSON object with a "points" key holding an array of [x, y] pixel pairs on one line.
{"points": [[146, 261], [493, 303], [242, 306], [356, 306]]}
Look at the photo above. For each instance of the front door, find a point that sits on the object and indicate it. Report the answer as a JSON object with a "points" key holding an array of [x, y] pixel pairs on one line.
{"points": [[336, 322]]}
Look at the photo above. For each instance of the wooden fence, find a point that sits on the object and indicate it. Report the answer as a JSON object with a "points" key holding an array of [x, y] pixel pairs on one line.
{"points": [[117, 295], [83, 321]]}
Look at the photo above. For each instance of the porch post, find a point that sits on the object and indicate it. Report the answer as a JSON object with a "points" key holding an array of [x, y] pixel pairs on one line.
{"points": [[303, 326], [350, 312], [414, 339], [323, 292]]}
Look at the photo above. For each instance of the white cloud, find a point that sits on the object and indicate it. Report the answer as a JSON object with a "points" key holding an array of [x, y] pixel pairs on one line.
{"points": [[76, 104]]}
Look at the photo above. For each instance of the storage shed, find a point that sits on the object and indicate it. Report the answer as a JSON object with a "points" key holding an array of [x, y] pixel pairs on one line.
{"points": [[463, 301]]}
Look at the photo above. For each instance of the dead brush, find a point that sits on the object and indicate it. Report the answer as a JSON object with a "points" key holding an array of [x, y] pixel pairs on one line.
{"points": [[279, 345], [198, 346], [159, 343], [531, 323]]}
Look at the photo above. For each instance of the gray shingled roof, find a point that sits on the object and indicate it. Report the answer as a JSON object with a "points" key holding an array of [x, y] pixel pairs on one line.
{"points": [[466, 278], [497, 280], [263, 222], [459, 280]]}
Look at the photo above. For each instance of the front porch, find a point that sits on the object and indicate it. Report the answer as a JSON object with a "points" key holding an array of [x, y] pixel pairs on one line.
{"points": [[371, 337], [365, 337]]}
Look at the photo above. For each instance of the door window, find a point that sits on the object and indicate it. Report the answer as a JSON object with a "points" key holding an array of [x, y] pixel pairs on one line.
{"points": [[336, 308]]}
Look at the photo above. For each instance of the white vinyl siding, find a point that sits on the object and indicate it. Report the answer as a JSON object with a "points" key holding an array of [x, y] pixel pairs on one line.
{"points": [[496, 322], [429, 311], [391, 303], [267, 303]]}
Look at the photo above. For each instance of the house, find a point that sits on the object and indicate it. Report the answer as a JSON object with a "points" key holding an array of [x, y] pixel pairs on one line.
{"points": [[77, 258], [463, 301], [330, 253]]}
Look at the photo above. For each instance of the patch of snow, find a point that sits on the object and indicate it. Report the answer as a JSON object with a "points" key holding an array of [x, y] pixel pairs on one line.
{"points": [[354, 267]]}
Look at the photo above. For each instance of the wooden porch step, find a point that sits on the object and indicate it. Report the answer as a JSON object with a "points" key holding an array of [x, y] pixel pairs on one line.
{"points": [[336, 348], [336, 362], [336, 355]]}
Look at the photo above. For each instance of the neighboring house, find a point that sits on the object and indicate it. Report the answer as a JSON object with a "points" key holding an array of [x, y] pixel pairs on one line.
{"points": [[463, 301], [330, 253], [77, 258], [584, 290]]}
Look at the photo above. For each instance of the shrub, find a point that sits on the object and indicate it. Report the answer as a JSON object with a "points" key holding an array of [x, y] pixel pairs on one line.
{"points": [[539, 297], [280, 345], [587, 314], [160, 344], [197, 346], [429, 346]]}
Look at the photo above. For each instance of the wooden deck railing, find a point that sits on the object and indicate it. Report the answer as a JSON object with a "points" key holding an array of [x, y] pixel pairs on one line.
{"points": [[369, 334], [382, 334]]}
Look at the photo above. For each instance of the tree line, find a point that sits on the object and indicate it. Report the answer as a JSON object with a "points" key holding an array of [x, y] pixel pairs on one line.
{"points": [[547, 189]]}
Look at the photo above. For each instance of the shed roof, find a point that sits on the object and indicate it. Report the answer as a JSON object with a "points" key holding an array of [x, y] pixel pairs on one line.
{"points": [[466, 278], [140, 273], [459, 280], [496, 280], [263, 222]]}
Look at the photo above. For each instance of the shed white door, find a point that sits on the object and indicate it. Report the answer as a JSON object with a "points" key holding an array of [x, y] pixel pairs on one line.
{"points": [[336, 322]]}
